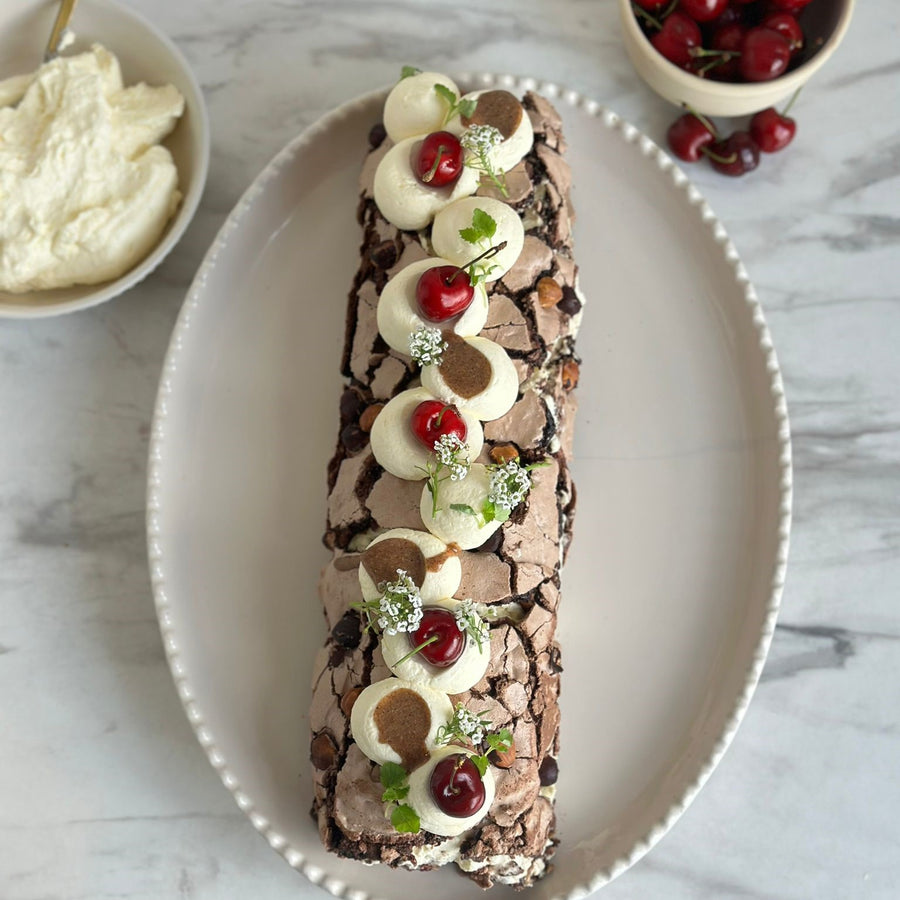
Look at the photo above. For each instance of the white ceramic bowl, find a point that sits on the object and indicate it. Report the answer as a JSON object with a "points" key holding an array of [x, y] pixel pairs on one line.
{"points": [[146, 54], [824, 20]]}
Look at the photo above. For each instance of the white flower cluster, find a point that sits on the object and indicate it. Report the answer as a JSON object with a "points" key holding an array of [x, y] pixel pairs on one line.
{"points": [[462, 726], [479, 139], [468, 621], [453, 454], [509, 485], [399, 608], [426, 346]]}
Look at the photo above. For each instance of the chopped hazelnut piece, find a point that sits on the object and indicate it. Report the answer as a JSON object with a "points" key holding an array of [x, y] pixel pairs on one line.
{"points": [[503, 759], [503, 453], [323, 751], [349, 699], [549, 292], [369, 415], [570, 374]]}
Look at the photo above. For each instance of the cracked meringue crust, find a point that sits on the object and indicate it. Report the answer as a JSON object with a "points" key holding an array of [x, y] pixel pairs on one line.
{"points": [[516, 568]]}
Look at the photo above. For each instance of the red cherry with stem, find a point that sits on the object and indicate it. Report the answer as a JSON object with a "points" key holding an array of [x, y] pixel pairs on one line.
{"points": [[650, 4], [443, 292], [791, 6], [439, 161], [771, 130], [439, 626], [432, 419], [703, 10], [787, 26], [688, 134], [765, 54], [456, 786], [728, 38], [679, 35], [735, 156]]}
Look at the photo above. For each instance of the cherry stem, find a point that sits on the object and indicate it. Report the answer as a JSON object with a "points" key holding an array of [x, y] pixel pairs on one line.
{"points": [[491, 251], [723, 160], [706, 122], [796, 94], [437, 161], [412, 653], [440, 417], [642, 13], [721, 55], [457, 766]]}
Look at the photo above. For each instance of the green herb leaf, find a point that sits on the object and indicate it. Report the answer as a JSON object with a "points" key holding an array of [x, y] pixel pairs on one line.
{"points": [[463, 508], [446, 94], [484, 223], [467, 108], [481, 763], [393, 775], [408, 71], [500, 741], [405, 819], [393, 794]]}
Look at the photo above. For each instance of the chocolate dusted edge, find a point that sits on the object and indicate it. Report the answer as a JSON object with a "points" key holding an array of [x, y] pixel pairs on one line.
{"points": [[518, 567]]}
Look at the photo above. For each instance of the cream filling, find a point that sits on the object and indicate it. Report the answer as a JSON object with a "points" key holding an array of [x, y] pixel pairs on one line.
{"points": [[399, 451], [468, 670], [496, 399], [414, 107], [432, 817], [448, 243], [362, 717], [442, 583], [86, 189], [469, 531], [407, 203], [399, 315]]}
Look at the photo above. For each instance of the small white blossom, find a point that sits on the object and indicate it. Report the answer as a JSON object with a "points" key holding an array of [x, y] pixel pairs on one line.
{"points": [[469, 622], [453, 454], [399, 608], [462, 726], [479, 139], [426, 346], [509, 485]]}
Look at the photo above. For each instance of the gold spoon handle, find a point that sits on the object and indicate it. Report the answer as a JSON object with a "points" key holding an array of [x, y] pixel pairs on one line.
{"points": [[66, 8]]}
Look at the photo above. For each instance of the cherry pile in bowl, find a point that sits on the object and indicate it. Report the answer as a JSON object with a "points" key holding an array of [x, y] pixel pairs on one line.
{"points": [[692, 136], [726, 40]]}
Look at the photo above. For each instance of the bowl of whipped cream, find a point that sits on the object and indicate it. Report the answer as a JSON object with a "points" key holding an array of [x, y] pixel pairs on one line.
{"points": [[103, 157]]}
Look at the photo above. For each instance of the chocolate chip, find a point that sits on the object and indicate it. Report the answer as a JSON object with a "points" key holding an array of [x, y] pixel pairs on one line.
{"points": [[351, 406], [336, 657], [354, 438], [549, 771], [377, 134], [384, 255], [492, 544], [323, 751], [347, 632], [570, 304]]}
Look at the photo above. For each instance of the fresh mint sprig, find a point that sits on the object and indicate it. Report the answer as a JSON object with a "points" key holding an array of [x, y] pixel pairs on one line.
{"points": [[409, 71], [456, 105], [466, 727], [395, 782]]}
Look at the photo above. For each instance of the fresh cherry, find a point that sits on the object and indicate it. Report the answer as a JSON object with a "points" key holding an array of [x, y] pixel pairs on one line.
{"points": [[787, 26], [735, 156], [679, 35], [703, 10], [771, 130], [687, 136], [650, 4], [440, 159], [432, 419], [443, 292], [450, 642], [765, 54], [456, 786], [728, 38], [791, 6]]}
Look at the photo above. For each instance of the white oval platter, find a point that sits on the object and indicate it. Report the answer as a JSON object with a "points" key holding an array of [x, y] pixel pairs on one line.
{"points": [[682, 466]]}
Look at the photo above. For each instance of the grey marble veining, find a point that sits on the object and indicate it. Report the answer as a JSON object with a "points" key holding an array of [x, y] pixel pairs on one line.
{"points": [[104, 791]]}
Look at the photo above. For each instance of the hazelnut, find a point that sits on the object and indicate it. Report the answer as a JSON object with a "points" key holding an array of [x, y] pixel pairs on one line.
{"points": [[323, 751], [549, 292], [570, 373], [349, 699], [369, 415], [503, 453], [503, 759]]}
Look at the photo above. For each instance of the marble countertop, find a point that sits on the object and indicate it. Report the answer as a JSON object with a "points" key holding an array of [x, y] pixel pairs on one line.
{"points": [[104, 791]]}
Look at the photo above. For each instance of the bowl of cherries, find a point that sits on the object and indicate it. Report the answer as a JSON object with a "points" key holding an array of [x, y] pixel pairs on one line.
{"points": [[731, 57]]}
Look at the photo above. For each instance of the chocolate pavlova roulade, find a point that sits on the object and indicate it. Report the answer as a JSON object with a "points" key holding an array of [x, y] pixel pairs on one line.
{"points": [[434, 714]]}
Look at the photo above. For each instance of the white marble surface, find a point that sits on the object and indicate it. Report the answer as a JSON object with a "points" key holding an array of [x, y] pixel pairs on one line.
{"points": [[104, 791]]}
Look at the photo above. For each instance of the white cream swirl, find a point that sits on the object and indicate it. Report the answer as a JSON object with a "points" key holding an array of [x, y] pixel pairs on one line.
{"points": [[414, 108], [452, 525]]}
